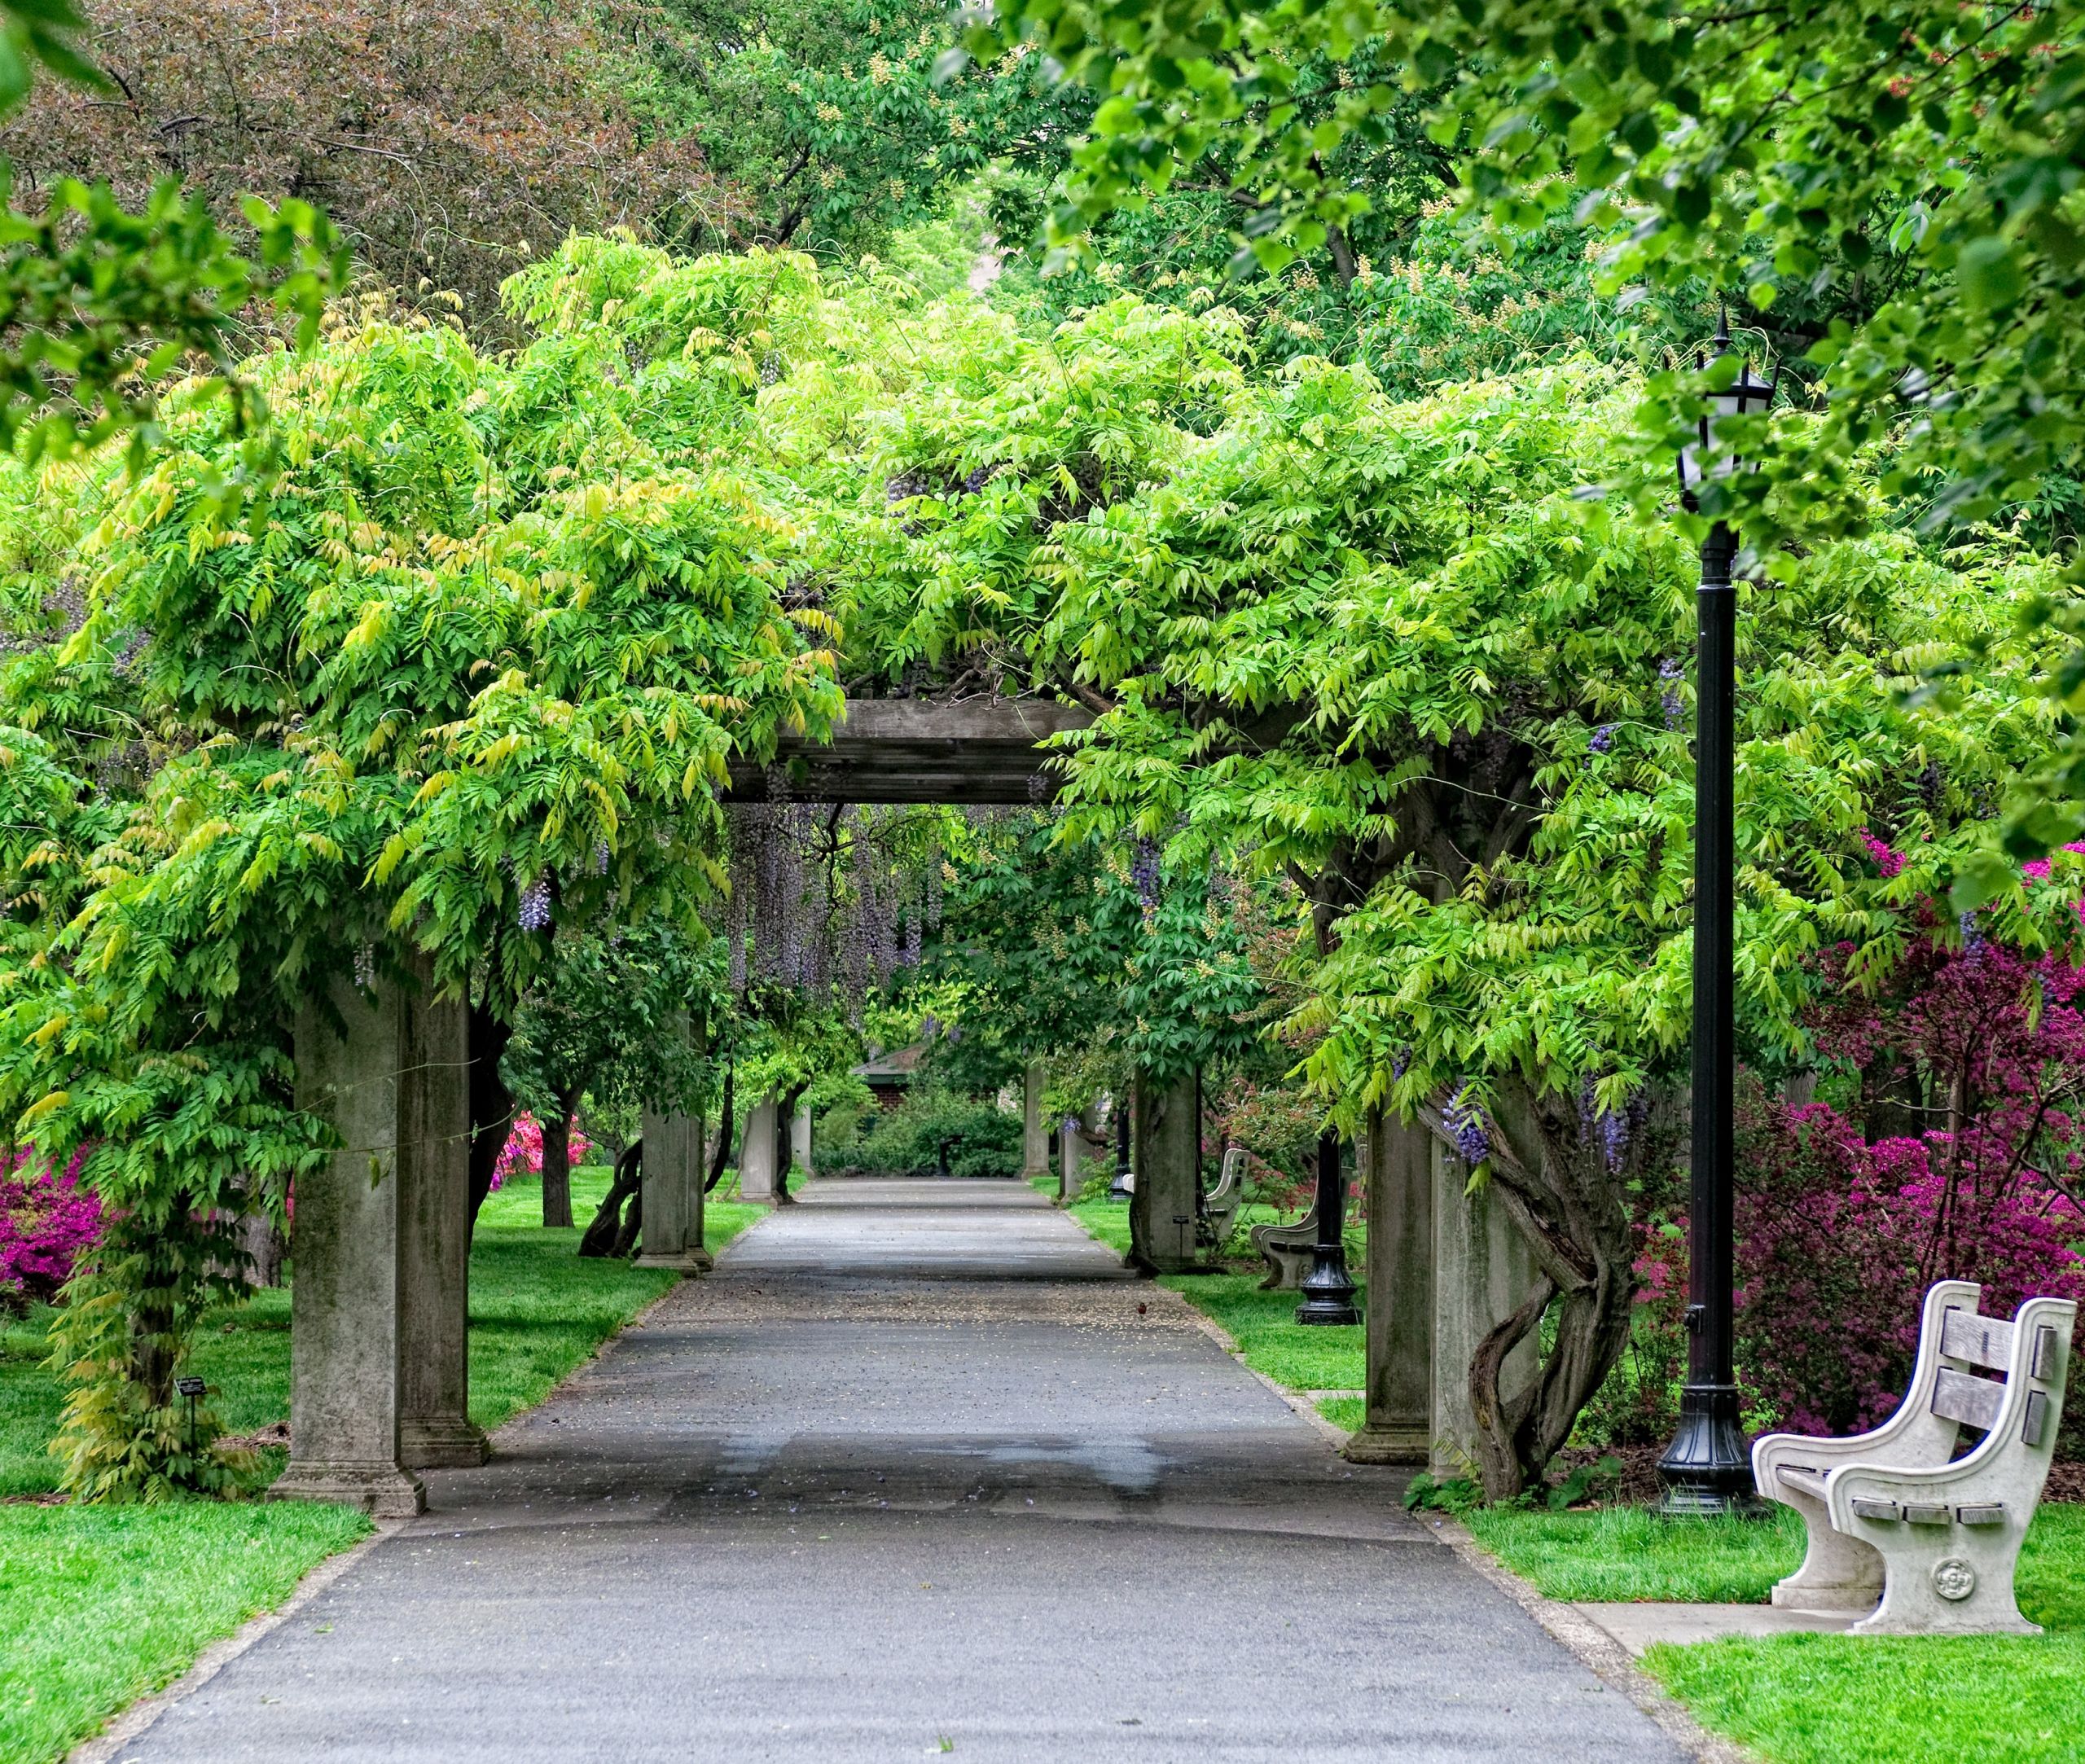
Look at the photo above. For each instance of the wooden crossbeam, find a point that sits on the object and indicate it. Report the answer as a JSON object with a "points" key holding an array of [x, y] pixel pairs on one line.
{"points": [[982, 750]]}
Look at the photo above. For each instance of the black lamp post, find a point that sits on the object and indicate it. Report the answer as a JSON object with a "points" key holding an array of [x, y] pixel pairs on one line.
{"points": [[1327, 1289], [1119, 1188], [1705, 1469]]}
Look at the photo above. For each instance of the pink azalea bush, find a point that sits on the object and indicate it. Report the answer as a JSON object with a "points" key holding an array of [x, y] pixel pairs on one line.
{"points": [[47, 1221], [523, 1150]]}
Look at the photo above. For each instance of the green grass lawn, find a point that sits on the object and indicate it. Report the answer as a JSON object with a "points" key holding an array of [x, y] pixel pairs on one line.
{"points": [[1828, 1699], [1263, 1324], [100, 1606]]}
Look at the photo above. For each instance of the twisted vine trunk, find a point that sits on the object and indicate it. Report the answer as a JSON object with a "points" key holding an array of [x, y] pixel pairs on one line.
{"points": [[492, 1105], [723, 1154], [1555, 1183], [608, 1234]]}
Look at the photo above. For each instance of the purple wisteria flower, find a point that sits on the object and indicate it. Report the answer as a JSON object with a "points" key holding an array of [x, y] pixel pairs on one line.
{"points": [[1602, 738], [535, 913], [1464, 1120]]}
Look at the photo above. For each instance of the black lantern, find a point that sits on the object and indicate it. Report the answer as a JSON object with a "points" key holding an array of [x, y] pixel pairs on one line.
{"points": [[1705, 1469]]}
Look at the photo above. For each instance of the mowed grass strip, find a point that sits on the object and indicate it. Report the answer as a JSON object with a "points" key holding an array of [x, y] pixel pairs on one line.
{"points": [[1620, 1554], [1297, 1357], [1827, 1699], [100, 1606], [1891, 1699]]}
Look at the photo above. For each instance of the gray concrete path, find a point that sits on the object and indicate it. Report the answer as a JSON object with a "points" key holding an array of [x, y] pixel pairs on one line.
{"points": [[917, 1472]]}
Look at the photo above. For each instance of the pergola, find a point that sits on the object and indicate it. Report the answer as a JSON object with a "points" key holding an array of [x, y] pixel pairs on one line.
{"points": [[379, 1303]]}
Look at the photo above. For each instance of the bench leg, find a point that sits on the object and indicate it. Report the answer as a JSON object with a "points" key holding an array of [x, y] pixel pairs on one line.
{"points": [[1838, 1572], [1946, 1579]]}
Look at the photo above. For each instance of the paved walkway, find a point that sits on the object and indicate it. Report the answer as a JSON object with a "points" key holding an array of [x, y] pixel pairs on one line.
{"points": [[916, 1471]]}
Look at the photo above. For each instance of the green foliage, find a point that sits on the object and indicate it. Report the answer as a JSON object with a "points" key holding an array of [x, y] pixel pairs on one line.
{"points": [[980, 1138], [447, 658], [100, 304], [1894, 194], [825, 120], [622, 1018], [1059, 946]]}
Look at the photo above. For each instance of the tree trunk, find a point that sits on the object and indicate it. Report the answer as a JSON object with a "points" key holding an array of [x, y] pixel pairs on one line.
{"points": [[1552, 1175], [723, 1155], [785, 1113], [492, 1107], [262, 1241], [605, 1231], [557, 1166]]}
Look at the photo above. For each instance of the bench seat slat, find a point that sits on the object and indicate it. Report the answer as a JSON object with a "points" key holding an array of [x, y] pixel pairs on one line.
{"points": [[1974, 1402], [1981, 1340]]}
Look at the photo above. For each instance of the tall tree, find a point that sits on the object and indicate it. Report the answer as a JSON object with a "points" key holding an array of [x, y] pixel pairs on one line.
{"points": [[449, 143]]}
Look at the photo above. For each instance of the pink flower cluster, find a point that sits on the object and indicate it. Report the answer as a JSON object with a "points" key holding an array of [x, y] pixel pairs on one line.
{"points": [[1890, 862], [47, 1221], [523, 1150]]}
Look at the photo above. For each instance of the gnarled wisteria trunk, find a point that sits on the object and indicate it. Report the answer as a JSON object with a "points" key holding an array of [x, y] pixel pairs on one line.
{"points": [[1562, 1176]]}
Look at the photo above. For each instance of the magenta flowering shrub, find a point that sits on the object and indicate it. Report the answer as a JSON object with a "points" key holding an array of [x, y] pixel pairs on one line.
{"points": [[523, 1150], [1960, 1157], [1978, 1051], [47, 1221], [1838, 1240]]}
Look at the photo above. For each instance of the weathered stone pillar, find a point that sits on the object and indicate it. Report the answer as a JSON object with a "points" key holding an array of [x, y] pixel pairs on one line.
{"points": [[757, 1175], [1482, 1269], [800, 1140], [1071, 1150], [1397, 1170], [671, 1234], [434, 1260], [1035, 1136], [344, 1310], [1168, 1153]]}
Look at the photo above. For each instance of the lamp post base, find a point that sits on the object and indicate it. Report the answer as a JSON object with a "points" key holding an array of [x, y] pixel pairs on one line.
{"points": [[1706, 1468], [1328, 1290]]}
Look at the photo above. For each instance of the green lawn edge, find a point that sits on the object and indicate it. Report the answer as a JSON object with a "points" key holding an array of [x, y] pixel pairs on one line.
{"points": [[101, 1606]]}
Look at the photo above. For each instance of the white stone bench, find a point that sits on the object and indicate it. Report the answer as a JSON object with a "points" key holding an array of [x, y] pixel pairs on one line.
{"points": [[1220, 1205], [1286, 1248], [1896, 1522]]}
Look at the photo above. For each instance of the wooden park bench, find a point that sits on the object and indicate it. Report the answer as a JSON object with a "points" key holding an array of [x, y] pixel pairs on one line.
{"points": [[1896, 1521]]}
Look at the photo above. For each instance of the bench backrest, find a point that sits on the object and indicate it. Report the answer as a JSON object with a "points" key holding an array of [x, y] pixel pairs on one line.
{"points": [[2029, 1350]]}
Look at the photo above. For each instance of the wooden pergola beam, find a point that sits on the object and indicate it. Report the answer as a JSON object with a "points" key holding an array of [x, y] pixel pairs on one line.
{"points": [[981, 750]]}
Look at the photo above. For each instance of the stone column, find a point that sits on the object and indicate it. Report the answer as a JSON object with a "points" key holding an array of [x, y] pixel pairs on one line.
{"points": [[434, 1261], [1396, 1169], [1035, 1136], [800, 1140], [1162, 1209], [1071, 1149], [756, 1148], [671, 1233], [345, 1311], [1482, 1269]]}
